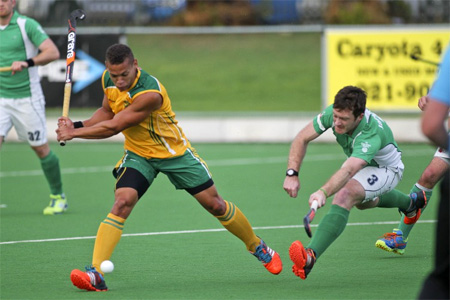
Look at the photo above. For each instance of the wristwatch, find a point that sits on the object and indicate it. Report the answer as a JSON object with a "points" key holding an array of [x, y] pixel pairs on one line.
{"points": [[291, 172]]}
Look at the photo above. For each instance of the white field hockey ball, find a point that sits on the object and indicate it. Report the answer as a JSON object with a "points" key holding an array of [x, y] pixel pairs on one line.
{"points": [[107, 266]]}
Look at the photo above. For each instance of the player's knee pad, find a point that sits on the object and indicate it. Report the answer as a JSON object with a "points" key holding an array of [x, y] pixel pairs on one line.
{"points": [[132, 178], [200, 188]]}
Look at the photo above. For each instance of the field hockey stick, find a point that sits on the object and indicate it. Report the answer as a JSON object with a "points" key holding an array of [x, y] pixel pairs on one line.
{"points": [[70, 60], [309, 217], [5, 69], [418, 58]]}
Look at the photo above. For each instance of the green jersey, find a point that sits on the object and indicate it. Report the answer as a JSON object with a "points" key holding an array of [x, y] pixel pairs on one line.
{"points": [[372, 140], [19, 41]]}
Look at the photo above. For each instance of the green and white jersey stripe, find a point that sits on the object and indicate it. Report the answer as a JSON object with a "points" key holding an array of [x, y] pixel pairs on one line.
{"points": [[371, 141], [19, 41]]}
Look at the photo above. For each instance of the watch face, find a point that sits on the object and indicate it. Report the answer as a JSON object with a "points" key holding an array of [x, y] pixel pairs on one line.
{"points": [[291, 172]]}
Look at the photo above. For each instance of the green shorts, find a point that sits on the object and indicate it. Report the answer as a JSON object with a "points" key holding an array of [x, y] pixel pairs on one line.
{"points": [[187, 171]]}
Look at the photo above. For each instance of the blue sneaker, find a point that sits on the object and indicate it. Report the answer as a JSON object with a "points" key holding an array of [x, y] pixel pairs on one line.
{"points": [[269, 258], [392, 242], [91, 280]]}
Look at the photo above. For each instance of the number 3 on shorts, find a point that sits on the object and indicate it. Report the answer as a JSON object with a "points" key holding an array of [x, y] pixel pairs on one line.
{"points": [[372, 179]]}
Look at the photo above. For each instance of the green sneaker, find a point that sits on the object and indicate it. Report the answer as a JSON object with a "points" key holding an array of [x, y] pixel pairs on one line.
{"points": [[58, 205]]}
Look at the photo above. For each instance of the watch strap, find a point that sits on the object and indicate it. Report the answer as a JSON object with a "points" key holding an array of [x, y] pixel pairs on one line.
{"points": [[291, 172]]}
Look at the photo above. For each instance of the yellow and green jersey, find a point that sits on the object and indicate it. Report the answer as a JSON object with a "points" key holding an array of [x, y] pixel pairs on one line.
{"points": [[159, 135]]}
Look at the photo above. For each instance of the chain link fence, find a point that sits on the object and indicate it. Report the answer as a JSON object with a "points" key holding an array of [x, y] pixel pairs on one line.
{"points": [[52, 13]]}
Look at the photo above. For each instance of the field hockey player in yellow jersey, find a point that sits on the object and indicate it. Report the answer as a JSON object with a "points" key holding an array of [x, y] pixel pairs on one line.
{"points": [[137, 104]]}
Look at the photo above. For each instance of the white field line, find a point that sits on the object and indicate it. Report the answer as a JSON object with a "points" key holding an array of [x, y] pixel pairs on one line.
{"points": [[211, 163], [197, 231]]}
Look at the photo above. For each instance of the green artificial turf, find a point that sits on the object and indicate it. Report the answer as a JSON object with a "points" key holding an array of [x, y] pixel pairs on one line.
{"points": [[173, 249]]}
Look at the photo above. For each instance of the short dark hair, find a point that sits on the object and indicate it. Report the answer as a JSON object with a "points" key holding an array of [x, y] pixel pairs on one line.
{"points": [[118, 53], [351, 97]]}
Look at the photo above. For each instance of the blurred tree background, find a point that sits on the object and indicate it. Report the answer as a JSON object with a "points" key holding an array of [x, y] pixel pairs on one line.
{"points": [[240, 12]]}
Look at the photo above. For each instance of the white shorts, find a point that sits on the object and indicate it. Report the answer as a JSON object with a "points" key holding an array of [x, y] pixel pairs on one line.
{"points": [[442, 154], [377, 181], [28, 118]]}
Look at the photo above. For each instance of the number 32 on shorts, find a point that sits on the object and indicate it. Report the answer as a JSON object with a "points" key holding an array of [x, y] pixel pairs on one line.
{"points": [[34, 136]]}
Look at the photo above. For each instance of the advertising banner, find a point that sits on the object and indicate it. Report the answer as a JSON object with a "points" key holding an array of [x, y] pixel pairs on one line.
{"points": [[394, 66]]}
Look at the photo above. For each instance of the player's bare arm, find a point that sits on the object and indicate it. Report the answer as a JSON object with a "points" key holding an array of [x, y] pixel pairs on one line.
{"points": [[423, 102], [104, 113], [437, 112], [140, 109], [348, 169], [297, 153], [48, 52]]}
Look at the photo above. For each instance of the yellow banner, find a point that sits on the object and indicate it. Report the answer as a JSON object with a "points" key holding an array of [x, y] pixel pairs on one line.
{"points": [[395, 67]]}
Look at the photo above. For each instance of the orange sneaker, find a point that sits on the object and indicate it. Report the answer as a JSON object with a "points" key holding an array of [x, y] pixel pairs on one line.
{"points": [[270, 259], [302, 258], [91, 280], [418, 201]]}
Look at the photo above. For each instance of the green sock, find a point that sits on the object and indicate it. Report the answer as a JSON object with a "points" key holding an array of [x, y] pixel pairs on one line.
{"points": [[394, 198], [330, 227], [406, 228], [50, 166]]}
